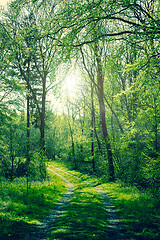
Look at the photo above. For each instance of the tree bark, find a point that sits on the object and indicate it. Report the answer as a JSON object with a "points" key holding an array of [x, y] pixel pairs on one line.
{"points": [[42, 117], [41, 111], [72, 139], [73, 149], [155, 124], [92, 127], [103, 117], [91, 77], [11, 153], [113, 113], [28, 117]]}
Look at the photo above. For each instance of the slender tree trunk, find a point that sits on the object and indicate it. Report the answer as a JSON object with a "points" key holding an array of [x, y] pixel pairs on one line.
{"points": [[72, 139], [11, 153], [98, 142], [92, 126], [113, 134], [113, 113], [73, 149], [28, 129], [123, 81], [42, 126], [82, 137], [41, 113], [28, 118], [73, 154], [91, 76], [95, 130], [28, 135], [103, 118], [155, 125], [82, 131]]}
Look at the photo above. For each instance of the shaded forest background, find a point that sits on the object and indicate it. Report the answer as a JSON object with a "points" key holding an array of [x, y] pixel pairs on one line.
{"points": [[111, 126]]}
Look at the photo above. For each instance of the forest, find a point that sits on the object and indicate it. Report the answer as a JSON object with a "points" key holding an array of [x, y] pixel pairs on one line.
{"points": [[105, 121]]}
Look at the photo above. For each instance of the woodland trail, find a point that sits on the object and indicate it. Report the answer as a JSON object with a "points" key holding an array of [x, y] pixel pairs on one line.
{"points": [[41, 231], [113, 225], [114, 231]]}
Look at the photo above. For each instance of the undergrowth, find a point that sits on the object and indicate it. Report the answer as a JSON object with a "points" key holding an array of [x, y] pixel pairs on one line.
{"points": [[84, 216], [20, 211], [138, 210]]}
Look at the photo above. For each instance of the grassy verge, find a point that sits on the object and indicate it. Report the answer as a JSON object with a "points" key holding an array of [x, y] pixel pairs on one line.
{"points": [[139, 210], [84, 217], [19, 212]]}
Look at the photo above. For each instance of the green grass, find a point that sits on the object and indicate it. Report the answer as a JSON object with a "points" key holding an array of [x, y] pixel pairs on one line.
{"points": [[84, 216], [92, 179], [19, 212], [138, 210]]}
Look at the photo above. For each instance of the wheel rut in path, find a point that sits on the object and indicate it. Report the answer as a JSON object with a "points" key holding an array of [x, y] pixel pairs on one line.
{"points": [[41, 231], [113, 222]]}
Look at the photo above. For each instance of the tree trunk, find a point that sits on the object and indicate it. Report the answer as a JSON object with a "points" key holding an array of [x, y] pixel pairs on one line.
{"points": [[73, 150], [91, 76], [72, 139], [92, 126], [155, 124], [113, 113], [41, 112], [103, 118], [28, 117], [42, 117], [11, 153]]}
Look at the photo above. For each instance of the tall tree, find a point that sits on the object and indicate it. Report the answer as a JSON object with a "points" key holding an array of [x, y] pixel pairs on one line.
{"points": [[33, 53]]}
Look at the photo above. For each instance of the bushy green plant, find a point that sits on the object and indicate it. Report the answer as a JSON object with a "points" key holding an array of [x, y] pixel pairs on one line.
{"points": [[37, 166]]}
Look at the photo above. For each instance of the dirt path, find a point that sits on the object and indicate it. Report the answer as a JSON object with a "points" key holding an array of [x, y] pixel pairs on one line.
{"points": [[113, 222], [41, 231], [113, 225]]}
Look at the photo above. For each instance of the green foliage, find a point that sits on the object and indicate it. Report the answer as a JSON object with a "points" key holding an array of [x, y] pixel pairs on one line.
{"points": [[38, 47], [151, 173], [37, 166]]}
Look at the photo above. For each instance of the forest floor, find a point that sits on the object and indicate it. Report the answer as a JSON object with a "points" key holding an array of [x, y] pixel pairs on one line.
{"points": [[70, 205], [110, 218], [84, 212]]}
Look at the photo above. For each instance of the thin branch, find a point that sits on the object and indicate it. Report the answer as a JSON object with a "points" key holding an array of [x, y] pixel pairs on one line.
{"points": [[5, 95]]}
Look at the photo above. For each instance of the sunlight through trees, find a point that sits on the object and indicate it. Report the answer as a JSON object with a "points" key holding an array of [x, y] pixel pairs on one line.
{"points": [[80, 83]]}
